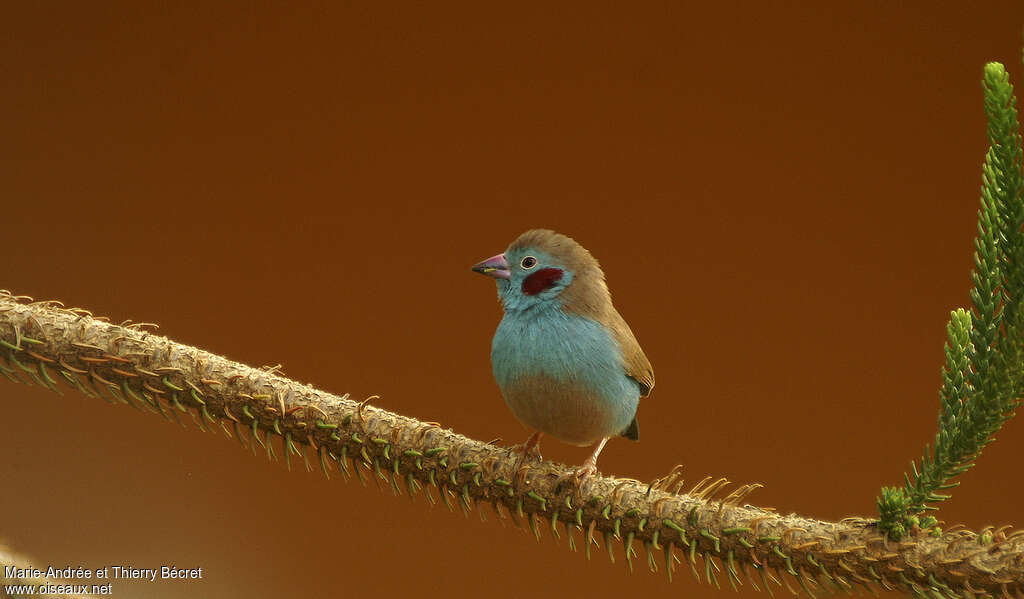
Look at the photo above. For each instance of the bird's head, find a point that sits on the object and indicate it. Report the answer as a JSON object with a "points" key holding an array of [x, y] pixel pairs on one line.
{"points": [[542, 267]]}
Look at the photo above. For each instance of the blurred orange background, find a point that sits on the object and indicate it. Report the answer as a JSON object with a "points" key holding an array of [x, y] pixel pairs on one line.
{"points": [[783, 199]]}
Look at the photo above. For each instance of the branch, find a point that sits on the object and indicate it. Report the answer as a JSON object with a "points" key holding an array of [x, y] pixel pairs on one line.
{"points": [[44, 343], [983, 377]]}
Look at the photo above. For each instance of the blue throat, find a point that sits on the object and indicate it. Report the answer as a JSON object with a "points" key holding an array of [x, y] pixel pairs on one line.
{"points": [[543, 340], [560, 373]]}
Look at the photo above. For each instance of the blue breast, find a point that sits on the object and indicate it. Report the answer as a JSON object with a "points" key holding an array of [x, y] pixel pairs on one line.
{"points": [[563, 374]]}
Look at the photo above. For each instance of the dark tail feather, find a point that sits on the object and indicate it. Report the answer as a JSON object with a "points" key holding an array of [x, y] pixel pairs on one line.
{"points": [[632, 431]]}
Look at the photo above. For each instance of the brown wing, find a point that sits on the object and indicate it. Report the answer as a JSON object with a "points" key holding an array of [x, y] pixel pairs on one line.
{"points": [[588, 296], [638, 367]]}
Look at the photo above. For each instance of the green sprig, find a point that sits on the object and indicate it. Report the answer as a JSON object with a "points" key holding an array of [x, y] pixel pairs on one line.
{"points": [[983, 376]]}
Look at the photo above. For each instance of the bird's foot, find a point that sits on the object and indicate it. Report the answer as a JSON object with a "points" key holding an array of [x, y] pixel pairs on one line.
{"points": [[531, 446], [523, 450], [584, 472], [589, 467], [573, 480]]}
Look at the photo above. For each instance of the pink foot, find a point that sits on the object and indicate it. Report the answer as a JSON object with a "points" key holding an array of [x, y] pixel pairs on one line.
{"points": [[588, 469], [532, 446]]}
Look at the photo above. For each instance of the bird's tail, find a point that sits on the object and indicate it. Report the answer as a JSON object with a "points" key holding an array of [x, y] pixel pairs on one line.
{"points": [[632, 431]]}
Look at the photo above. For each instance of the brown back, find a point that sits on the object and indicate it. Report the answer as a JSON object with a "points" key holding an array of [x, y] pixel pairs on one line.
{"points": [[588, 296]]}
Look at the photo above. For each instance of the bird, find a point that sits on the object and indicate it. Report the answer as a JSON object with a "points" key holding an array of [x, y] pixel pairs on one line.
{"points": [[567, 364]]}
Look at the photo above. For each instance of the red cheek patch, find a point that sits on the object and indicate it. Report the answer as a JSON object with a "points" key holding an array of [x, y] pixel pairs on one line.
{"points": [[544, 278]]}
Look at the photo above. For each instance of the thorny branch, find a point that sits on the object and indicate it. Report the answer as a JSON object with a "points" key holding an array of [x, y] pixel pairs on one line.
{"points": [[46, 344]]}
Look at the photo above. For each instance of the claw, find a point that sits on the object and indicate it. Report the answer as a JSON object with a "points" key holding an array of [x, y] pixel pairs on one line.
{"points": [[589, 467], [532, 445]]}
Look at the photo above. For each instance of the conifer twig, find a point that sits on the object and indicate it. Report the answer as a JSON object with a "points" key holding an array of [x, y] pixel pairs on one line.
{"points": [[983, 376], [43, 343]]}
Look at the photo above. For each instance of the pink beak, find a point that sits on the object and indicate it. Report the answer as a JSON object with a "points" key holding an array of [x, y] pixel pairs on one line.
{"points": [[495, 266]]}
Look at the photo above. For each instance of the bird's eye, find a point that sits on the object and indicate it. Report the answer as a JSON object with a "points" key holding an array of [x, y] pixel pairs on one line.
{"points": [[528, 262]]}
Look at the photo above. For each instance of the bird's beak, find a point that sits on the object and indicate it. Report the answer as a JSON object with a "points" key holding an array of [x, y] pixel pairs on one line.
{"points": [[495, 266]]}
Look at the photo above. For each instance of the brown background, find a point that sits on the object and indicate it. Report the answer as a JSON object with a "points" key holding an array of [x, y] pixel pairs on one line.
{"points": [[783, 200]]}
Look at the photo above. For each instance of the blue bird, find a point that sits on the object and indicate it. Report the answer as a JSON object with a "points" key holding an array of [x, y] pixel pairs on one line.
{"points": [[567, 364]]}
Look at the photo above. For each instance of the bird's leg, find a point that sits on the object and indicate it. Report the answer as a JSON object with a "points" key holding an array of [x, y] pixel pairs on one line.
{"points": [[590, 466], [532, 445]]}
